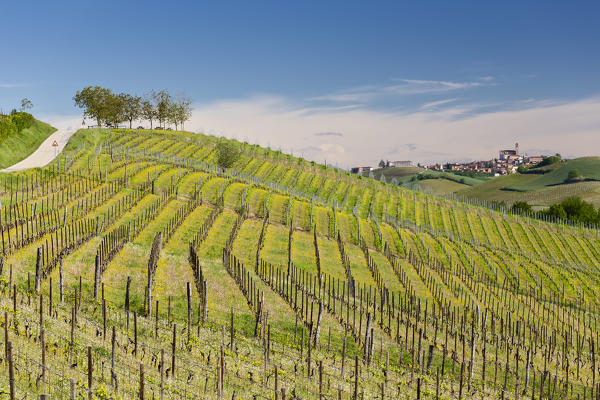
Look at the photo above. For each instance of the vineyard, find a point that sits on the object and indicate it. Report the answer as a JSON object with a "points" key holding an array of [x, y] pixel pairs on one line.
{"points": [[133, 266]]}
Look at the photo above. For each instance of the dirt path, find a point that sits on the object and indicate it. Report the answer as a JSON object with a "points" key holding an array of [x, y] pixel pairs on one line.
{"points": [[45, 153]]}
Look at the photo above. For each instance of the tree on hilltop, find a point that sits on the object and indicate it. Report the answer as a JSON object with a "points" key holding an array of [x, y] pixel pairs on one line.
{"points": [[183, 110], [162, 102], [94, 100], [26, 104], [115, 110], [132, 107], [148, 111]]}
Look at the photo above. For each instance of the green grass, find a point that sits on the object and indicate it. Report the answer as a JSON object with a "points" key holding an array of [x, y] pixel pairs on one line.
{"points": [[19, 146], [473, 256], [588, 167], [441, 186], [541, 190], [394, 172], [447, 176]]}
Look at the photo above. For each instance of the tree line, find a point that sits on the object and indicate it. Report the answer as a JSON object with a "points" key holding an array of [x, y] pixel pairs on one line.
{"points": [[571, 209], [110, 109]]}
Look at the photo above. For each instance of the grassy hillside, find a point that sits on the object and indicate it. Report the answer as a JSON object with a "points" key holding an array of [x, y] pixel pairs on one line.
{"points": [[440, 187], [394, 172], [19, 146], [588, 167], [279, 274], [542, 190]]}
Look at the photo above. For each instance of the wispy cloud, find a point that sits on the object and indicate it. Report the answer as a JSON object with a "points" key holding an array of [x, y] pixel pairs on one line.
{"points": [[417, 86], [435, 104], [402, 87], [329, 134]]}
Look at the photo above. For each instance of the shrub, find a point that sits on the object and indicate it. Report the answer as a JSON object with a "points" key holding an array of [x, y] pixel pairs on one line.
{"points": [[7, 127], [573, 176], [15, 123], [521, 207], [228, 154], [549, 160], [574, 209], [22, 120]]}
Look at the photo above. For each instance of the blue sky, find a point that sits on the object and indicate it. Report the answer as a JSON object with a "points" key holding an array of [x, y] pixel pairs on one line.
{"points": [[410, 76]]}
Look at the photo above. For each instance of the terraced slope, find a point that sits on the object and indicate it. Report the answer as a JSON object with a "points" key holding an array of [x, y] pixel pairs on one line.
{"points": [[151, 270]]}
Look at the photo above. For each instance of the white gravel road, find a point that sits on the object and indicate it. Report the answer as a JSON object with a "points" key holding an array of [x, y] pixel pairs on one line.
{"points": [[45, 153]]}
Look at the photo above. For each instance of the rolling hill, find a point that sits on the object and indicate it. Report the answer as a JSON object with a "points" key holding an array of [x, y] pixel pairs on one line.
{"points": [[134, 266], [21, 144]]}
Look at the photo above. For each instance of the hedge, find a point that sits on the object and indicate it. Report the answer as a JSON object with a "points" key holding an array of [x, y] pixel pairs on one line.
{"points": [[14, 123]]}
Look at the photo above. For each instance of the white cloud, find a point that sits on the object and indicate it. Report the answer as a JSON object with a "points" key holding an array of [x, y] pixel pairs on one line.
{"points": [[568, 128], [405, 87], [427, 136], [434, 104]]}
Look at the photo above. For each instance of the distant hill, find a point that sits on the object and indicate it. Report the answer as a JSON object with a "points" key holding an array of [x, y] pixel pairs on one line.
{"points": [[439, 187], [394, 172], [588, 167], [17, 144], [542, 190], [544, 186]]}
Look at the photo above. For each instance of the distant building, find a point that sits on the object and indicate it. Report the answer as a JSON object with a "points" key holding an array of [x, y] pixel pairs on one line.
{"points": [[358, 170], [453, 166], [535, 159], [400, 164], [506, 154]]}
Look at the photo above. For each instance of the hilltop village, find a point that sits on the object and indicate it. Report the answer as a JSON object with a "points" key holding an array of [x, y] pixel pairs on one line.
{"points": [[508, 162]]}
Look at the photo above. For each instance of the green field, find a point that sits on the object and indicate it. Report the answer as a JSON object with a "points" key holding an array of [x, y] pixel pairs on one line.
{"points": [[282, 274], [440, 187], [588, 167], [394, 172], [20, 145], [542, 190]]}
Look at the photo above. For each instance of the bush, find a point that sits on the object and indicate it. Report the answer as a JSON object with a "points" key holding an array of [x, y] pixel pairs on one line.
{"points": [[22, 120], [557, 211], [521, 207], [549, 160], [228, 154], [15, 123], [573, 176], [574, 209]]}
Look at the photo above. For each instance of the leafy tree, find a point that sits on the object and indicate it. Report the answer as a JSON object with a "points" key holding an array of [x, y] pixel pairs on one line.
{"points": [[579, 210], [184, 110], [574, 209], [172, 112], [162, 102], [115, 110], [94, 100], [381, 164], [132, 107], [549, 160], [557, 211], [521, 207], [228, 154], [26, 104], [148, 112]]}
